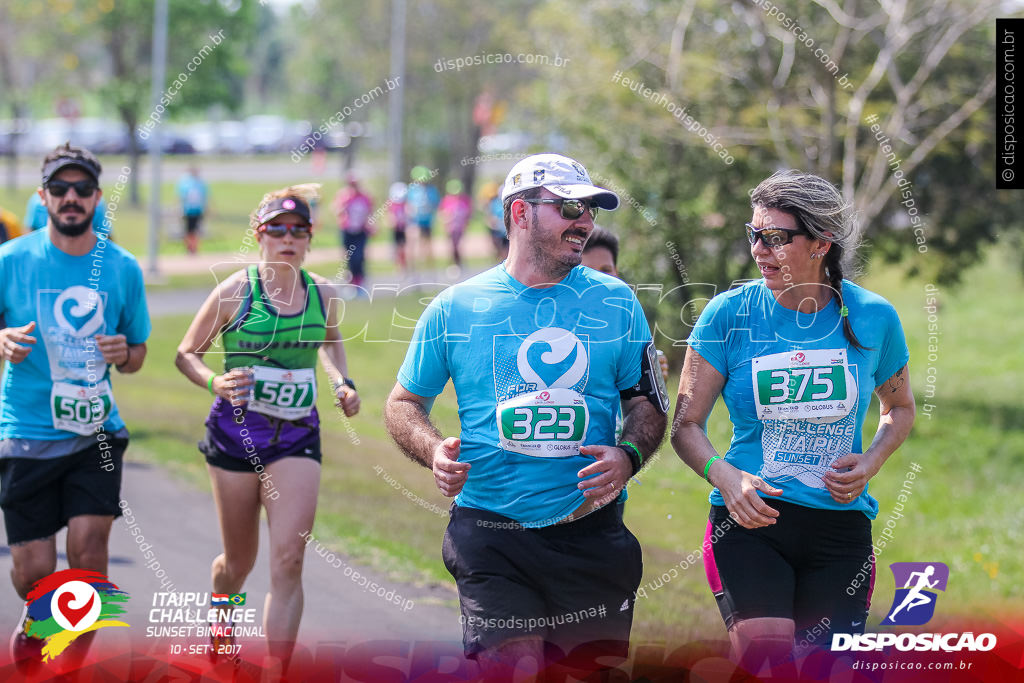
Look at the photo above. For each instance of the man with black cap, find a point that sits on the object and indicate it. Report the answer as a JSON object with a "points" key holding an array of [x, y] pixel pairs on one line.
{"points": [[73, 305], [541, 352]]}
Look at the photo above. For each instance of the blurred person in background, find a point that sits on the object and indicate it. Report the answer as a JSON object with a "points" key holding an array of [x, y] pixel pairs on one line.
{"points": [[397, 212], [193, 195], [353, 208], [601, 252], [490, 200], [10, 226], [36, 217], [421, 203], [456, 209]]}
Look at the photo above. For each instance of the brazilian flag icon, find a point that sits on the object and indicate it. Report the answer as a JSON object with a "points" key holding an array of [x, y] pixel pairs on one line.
{"points": [[237, 599]]}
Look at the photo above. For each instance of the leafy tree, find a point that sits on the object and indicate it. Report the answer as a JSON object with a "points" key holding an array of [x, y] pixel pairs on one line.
{"points": [[439, 102], [794, 91], [122, 30]]}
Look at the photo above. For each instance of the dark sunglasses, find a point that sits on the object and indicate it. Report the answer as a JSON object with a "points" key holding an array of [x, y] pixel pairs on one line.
{"points": [[772, 236], [571, 209], [282, 229], [83, 188]]}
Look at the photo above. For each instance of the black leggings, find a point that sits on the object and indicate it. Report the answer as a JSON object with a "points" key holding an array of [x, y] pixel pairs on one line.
{"points": [[813, 566]]}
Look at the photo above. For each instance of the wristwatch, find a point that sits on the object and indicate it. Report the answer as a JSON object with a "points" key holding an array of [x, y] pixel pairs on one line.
{"points": [[349, 383]]}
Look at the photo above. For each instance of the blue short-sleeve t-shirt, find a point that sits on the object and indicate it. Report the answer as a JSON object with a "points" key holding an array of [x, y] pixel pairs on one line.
{"points": [[71, 299], [797, 391], [537, 373]]}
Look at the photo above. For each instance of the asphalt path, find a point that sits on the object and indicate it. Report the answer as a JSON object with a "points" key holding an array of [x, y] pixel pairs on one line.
{"points": [[187, 301], [180, 523]]}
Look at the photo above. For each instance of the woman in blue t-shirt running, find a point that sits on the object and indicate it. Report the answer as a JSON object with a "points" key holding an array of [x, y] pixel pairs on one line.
{"points": [[795, 355]]}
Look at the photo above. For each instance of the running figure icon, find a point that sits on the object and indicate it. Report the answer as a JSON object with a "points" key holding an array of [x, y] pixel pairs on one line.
{"points": [[916, 596]]}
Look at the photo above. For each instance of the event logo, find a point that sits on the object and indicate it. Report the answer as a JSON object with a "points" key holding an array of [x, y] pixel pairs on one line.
{"points": [[552, 357], [913, 605], [78, 311], [916, 583], [68, 603]]}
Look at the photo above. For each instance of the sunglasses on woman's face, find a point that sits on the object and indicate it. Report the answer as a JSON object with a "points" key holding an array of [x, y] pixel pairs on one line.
{"points": [[772, 236], [571, 209], [83, 188], [281, 229]]}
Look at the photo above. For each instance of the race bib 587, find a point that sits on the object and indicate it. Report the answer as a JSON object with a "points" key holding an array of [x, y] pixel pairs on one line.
{"points": [[284, 394]]}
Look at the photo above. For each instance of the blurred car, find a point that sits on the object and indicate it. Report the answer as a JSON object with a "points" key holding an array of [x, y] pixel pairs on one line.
{"points": [[503, 142], [45, 134], [216, 137], [266, 133], [231, 137], [10, 130]]}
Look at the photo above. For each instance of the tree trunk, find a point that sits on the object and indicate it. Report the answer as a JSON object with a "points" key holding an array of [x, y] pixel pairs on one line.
{"points": [[130, 121]]}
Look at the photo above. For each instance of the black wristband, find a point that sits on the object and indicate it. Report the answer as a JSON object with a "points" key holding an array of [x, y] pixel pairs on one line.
{"points": [[349, 383], [635, 458]]}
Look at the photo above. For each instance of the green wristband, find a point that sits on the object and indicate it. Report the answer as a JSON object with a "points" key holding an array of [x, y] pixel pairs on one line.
{"points": [[707, 467], [209, 384], [635, 457]]}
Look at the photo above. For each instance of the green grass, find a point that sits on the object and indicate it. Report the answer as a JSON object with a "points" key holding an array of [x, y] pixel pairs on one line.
{"points": [[964, 509]]}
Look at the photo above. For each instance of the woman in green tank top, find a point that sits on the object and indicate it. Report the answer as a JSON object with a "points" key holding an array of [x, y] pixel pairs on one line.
{"points": [[262, 444]]}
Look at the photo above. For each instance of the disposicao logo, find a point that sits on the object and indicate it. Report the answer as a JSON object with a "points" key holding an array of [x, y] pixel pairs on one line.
{"points": [[914, 605], [916, 586], [68, 603]]}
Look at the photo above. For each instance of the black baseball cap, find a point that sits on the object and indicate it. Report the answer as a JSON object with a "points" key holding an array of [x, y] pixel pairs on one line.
{"points": [[64, 156], [285, 205]]}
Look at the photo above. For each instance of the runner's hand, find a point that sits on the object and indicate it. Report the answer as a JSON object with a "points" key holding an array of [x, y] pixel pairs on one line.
{"points": [[613, 469], [114, 348], [233, 386], [846, 486], [739, 489], [11, 340], [347, 399], [449, 474]]}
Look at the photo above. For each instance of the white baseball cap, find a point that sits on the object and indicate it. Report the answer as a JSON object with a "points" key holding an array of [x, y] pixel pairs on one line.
{"points": [[561, 176]]}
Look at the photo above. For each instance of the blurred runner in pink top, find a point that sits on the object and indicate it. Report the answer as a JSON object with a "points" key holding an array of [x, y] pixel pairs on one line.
{"points": [[353, 207], [456, 209]]}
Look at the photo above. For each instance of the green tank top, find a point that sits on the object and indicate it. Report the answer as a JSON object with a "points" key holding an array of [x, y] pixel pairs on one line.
{"points": [[259, 335]]}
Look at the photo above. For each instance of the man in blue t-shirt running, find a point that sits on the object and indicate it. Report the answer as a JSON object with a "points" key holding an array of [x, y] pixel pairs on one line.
{"points": [[73, 305], [542, 352]]}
